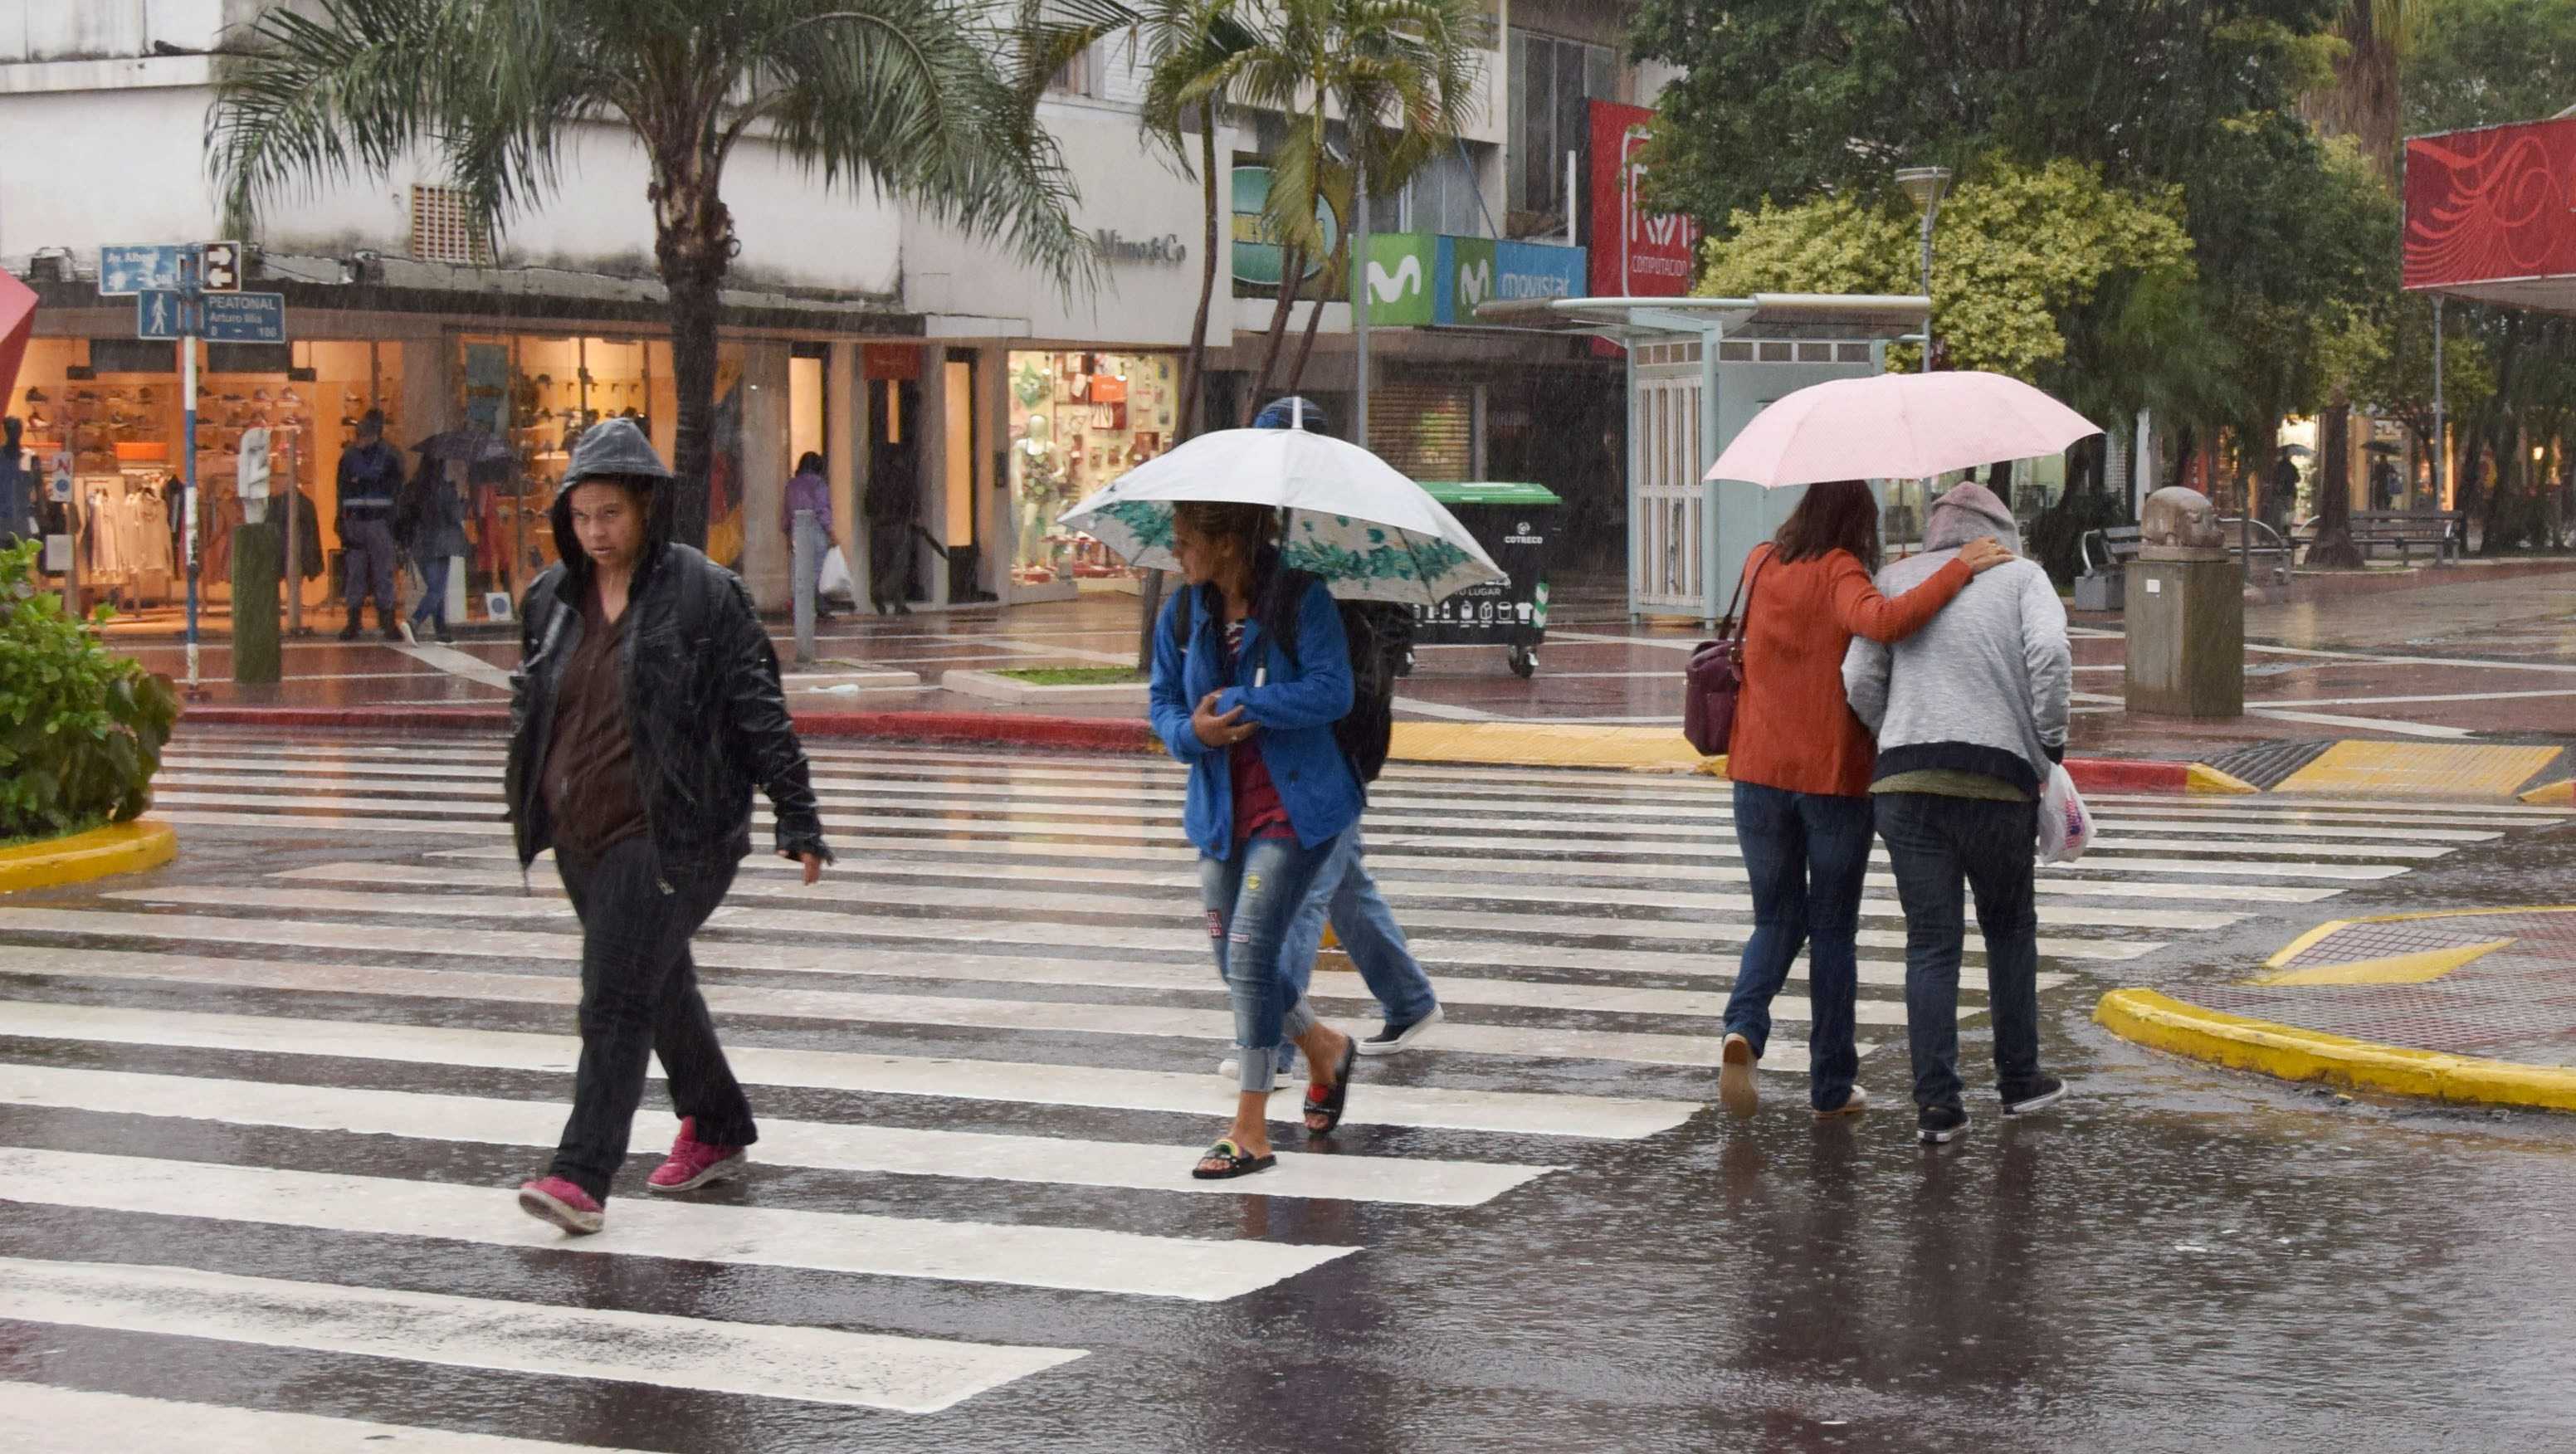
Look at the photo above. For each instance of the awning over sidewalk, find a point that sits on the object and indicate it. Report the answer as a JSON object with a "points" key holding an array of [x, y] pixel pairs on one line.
{"points": [[2491, 215], [1895, 317]]}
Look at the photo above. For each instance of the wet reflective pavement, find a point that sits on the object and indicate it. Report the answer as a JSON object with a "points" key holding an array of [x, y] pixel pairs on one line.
{"points": [[266, 1106]]}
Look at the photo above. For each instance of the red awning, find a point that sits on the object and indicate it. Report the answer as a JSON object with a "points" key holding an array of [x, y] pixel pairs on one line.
{"points": [[2491, 214]]}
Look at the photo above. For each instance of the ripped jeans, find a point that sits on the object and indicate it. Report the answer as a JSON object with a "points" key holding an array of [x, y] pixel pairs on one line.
{"points": [[1251, 899]]}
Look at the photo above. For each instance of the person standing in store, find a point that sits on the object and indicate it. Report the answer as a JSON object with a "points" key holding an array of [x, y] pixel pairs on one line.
{"points": [[894, 495], [434, 511], [371, 476], [645, 711], [808, 490], [17, 493]]}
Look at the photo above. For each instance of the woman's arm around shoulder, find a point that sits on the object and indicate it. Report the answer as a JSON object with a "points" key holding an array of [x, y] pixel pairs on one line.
{"points": [[1863, 610]]}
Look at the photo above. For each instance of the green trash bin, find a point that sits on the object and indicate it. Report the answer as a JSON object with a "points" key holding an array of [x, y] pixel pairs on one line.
{"points": [[1512, 521]]}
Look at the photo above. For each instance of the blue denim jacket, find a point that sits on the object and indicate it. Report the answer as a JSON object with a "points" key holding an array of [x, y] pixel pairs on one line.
{"points": [[1296, 709]]}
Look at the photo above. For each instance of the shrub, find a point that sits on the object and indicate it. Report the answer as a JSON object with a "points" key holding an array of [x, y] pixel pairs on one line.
{"points": [[81, 728]]}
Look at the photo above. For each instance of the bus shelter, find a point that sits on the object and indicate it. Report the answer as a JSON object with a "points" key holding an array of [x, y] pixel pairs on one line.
{"points": [[1699, 369]]}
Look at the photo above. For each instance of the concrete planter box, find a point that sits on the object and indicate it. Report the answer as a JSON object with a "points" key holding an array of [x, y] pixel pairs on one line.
{"points": [[995, 687], [846, 681]]}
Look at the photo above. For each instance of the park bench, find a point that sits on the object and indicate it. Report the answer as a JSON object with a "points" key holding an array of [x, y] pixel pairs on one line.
{"points": [[2443, 532], [2107, 553], [2272, 555]]}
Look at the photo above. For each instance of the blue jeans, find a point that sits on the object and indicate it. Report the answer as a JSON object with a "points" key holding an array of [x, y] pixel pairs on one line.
{"points": [[433, 592], [1936, 843], [1806, 855], [1344, 893], [1251, 898]]}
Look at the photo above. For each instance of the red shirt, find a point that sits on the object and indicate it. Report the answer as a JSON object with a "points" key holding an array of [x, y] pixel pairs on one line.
{"points": [[1258, 813], [1794, 729]]}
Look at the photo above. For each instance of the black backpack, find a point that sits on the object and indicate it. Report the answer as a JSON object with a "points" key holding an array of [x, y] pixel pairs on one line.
{"points": [[1380, 638]]}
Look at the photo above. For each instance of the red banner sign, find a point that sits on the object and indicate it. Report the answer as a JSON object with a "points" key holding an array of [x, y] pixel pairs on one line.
{"points": [[1635, 254], [2492, 205]]}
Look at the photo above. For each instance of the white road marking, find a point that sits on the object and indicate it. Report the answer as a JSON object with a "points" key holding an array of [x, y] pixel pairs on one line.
{"points": [[1520, 1113], [45, 1420], [1125, 1264], [815, 1365]]}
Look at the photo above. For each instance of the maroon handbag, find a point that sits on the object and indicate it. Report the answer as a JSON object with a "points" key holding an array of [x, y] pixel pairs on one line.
{"points": [[1715, 676]]}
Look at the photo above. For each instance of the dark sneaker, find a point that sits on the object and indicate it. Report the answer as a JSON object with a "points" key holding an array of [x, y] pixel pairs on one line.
{"points": [[1735, 1089], [1393, 1037], [1941, 1125], [349, 632], [2024, 1097]]}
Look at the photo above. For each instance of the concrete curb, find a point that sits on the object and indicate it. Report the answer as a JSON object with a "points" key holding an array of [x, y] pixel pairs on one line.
{"points": [[1487, 744], [99, 853], [2288, 1052], [995, 687]]}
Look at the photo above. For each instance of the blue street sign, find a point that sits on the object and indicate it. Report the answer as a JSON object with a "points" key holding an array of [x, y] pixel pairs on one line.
{"points": [[245, 317], [124, 271], [160, 313]]}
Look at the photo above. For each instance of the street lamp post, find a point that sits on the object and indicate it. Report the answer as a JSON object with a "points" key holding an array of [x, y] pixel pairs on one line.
{"points": [[1925, 185]]}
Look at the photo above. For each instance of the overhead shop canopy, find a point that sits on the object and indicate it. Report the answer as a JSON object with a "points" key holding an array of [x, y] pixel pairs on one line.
{"points": [[2491, 215], [1762, 316]]}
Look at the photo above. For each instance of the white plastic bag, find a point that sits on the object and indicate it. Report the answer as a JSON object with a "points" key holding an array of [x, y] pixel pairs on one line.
{"points": [[836, 575], [2065, 824]]}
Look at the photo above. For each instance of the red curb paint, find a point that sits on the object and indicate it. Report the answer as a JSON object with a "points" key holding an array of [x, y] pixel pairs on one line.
{"points": [[378, 718], [2126, 775]]}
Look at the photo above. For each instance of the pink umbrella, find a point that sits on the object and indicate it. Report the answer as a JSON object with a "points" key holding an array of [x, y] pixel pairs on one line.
{"points": [[17, 321], [1898, 427]]}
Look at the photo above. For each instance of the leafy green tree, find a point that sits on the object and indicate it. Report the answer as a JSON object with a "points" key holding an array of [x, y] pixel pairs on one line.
{"points": [[2018, 252], [930, 101], [1192, 45]]}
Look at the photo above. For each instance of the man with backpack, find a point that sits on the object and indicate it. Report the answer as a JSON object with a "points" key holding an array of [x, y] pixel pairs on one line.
{"points": [[1379, 636]]}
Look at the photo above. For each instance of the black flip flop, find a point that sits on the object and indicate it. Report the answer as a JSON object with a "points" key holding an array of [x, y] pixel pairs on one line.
{"points": [[1236, 1163], [1328, 1103]]}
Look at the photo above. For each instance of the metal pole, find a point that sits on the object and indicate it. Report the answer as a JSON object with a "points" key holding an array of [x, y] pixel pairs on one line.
{"points": [[805, 551], [188, 443], [2441, 424], [1359, 262], [1930, 209]]}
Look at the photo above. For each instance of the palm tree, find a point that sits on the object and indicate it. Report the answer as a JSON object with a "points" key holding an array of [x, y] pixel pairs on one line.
{"points": [[1402, 74], [929, 101], [1191, 45]]}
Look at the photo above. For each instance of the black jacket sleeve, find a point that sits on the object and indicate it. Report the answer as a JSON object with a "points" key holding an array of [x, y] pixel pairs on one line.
{"points": [[755, 705]]}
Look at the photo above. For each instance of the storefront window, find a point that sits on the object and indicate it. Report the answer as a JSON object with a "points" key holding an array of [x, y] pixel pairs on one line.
{"points": [[1078, 421]]}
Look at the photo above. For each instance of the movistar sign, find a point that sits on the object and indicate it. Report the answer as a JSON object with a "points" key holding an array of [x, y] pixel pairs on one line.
{"points": [[1420, 279]]}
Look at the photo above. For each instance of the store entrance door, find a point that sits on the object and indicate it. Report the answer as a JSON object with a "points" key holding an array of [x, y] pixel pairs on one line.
{"points": [[892, 506]]}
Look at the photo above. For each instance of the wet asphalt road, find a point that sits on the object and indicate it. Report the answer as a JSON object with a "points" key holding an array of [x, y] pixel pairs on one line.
{"points": [[2178, 1258]]}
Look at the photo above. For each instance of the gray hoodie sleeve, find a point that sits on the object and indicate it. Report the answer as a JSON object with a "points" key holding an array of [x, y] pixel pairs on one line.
{"points": [[2051, 661], [1865, 682]]}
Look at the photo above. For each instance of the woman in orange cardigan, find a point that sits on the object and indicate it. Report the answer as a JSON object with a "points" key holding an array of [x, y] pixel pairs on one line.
{"points": [[1801, 764]]}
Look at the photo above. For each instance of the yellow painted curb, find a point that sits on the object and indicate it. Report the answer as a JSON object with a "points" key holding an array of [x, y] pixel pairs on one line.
{"points": [[2290, 1053], [1539, 744], [2553, 795], [118, 848], [2206, 779], [2420, 769]]}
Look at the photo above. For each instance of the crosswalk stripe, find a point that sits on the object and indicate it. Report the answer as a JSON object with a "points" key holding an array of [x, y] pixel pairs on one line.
{"points": [[1101, 892], [48, 1420], [1175, 940], [1525, 1113], [1457, 879], [996, 816], [814, 1365], [1067, 1258], [1382, 847], [1385, 806]]}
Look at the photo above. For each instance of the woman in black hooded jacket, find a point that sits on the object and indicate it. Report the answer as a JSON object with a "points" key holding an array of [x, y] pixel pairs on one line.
{"points": [[646, 709]]}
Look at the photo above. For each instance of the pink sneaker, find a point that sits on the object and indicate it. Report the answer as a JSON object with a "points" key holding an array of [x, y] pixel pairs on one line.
{"points": [[553, 1199], [694, 1163]]}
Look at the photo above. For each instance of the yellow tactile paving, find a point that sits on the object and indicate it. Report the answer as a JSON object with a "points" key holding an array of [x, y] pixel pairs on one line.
{"points": [[2560, 794], [2420, 967], [2420, 769], [1538, 744]]}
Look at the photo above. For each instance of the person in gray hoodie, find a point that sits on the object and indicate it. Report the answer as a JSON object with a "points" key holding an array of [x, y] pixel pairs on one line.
{"points": [[1970, 714]]}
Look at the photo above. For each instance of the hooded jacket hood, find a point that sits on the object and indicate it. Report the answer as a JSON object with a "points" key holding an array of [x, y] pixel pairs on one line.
{"points": [[1966, 512], [613, 449]]}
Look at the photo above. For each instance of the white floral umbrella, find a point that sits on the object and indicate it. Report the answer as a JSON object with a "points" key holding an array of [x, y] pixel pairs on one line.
{"points": [[1354, 520]]}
